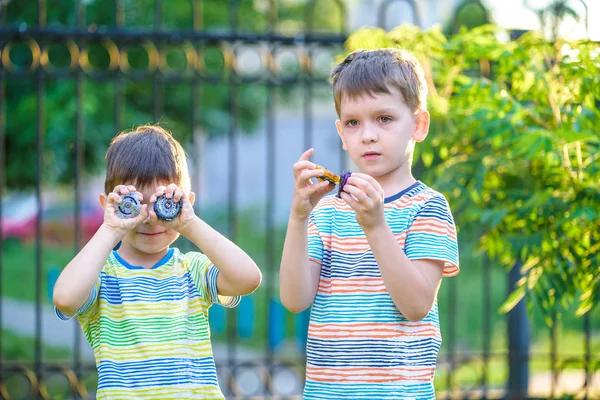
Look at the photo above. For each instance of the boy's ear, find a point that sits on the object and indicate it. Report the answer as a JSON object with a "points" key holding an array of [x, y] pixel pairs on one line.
{"points": [[421, 125], [339, 126], [192, 197], [102, 199]]}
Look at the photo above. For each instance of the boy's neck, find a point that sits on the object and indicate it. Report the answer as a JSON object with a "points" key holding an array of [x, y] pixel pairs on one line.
{"points": [[396, 181], [137, 258]]}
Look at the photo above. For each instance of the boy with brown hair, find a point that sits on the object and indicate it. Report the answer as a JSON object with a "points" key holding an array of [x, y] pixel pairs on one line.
{"points": [[370, 262], [144, 307]]}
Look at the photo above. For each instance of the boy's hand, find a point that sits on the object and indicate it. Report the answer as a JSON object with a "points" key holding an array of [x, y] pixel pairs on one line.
{"points": [[365, 196], [186, 214], [122, 225], [306, 193]]}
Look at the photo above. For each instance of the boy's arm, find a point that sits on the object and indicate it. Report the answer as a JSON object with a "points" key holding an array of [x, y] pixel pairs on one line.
{"points": [[413, 284], [238, 273], [298, 276], [75, 282]]}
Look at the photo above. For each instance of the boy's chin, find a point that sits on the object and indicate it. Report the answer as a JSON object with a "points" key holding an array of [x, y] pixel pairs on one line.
{"points": [[151, 248]]}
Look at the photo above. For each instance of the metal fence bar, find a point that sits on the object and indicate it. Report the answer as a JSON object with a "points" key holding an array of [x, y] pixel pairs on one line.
{"points": [[40, 133], [2, 183], [451, 335], [119, 82], [587, 350], [196, 104], [142, 35], [518, 342], [307, 110], [79, 173], [234, 113], [157, 86], [553, 354], [270, 217], [271, 197]]}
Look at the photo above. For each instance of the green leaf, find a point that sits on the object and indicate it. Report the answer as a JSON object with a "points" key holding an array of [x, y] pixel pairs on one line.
{"points": [[513, 299]]}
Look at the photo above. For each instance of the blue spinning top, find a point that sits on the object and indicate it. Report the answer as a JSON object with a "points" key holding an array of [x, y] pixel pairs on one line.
{"points": [[129, 207], [167, 209]]}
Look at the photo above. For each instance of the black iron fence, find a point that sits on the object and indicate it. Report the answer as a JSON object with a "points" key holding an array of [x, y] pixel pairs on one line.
{"points": [[73, 73]]}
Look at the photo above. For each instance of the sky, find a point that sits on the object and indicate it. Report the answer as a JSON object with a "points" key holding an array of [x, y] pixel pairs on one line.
{"points": [[513, 14]]}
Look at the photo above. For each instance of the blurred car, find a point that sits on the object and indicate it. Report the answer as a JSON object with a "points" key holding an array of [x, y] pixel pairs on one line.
{"points": [[19, 218]]}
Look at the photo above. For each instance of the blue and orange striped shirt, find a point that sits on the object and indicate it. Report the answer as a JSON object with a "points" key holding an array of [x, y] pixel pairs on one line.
{"points": [[359, 344]]}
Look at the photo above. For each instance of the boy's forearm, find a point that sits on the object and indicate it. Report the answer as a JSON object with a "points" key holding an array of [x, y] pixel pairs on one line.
{"points": [[238, 272], [408, 287], [297, 286], [73, 286]]}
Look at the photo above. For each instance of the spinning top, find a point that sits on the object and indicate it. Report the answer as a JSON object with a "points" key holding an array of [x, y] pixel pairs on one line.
{"points": [[129, 207], [343, 181], [166, 209], [328, 176], [334, 179]]}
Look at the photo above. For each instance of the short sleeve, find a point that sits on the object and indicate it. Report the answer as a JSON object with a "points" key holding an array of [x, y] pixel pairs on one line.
{"points": [[89, 306], [315, 243], [205, 274], [432, 235]]}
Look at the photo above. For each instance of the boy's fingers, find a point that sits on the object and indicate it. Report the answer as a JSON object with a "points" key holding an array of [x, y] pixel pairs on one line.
{"points": [[357, 192], [142, 215], [152, 215], [113, 198], [301, 166], [131, 188], [319, 186], [306, 154], [377, 190], [373, 192], [145, 214], [170, 190], [160, 191], [178, 195], [349, 200], [120, 189], [308, 174]]}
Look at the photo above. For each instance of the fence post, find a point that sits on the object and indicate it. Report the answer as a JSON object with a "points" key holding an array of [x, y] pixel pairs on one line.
{"points": [[518, 342]]}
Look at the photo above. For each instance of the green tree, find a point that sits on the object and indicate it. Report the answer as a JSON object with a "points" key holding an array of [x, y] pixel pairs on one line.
{"points": [[514, 143], [138, 97]]}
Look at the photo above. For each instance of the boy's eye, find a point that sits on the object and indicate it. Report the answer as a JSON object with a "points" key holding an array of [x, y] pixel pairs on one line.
{"points": [[385, 119], [352, 122]]}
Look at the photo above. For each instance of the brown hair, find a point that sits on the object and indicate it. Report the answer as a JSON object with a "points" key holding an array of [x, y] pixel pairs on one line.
{"points": [[144, 157], [375, 71]]}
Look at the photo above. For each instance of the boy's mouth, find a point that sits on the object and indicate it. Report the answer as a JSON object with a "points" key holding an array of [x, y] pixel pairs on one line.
{"points": [[371, 155], [150, 234]]}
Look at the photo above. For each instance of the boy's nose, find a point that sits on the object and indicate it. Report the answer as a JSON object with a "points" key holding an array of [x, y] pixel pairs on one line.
{"points": [[369, 135]]}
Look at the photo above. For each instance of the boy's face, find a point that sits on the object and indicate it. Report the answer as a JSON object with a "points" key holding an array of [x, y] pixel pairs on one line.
{"points": [[379, 133], [149, 239]]}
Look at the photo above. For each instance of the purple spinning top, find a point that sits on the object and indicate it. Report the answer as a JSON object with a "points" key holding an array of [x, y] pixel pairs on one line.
{"points": [[167, 209], [343, 183]]}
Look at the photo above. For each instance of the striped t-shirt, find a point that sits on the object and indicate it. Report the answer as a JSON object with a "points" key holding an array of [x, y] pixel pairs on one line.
{"points": [[359, 345], [149, 328]]}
